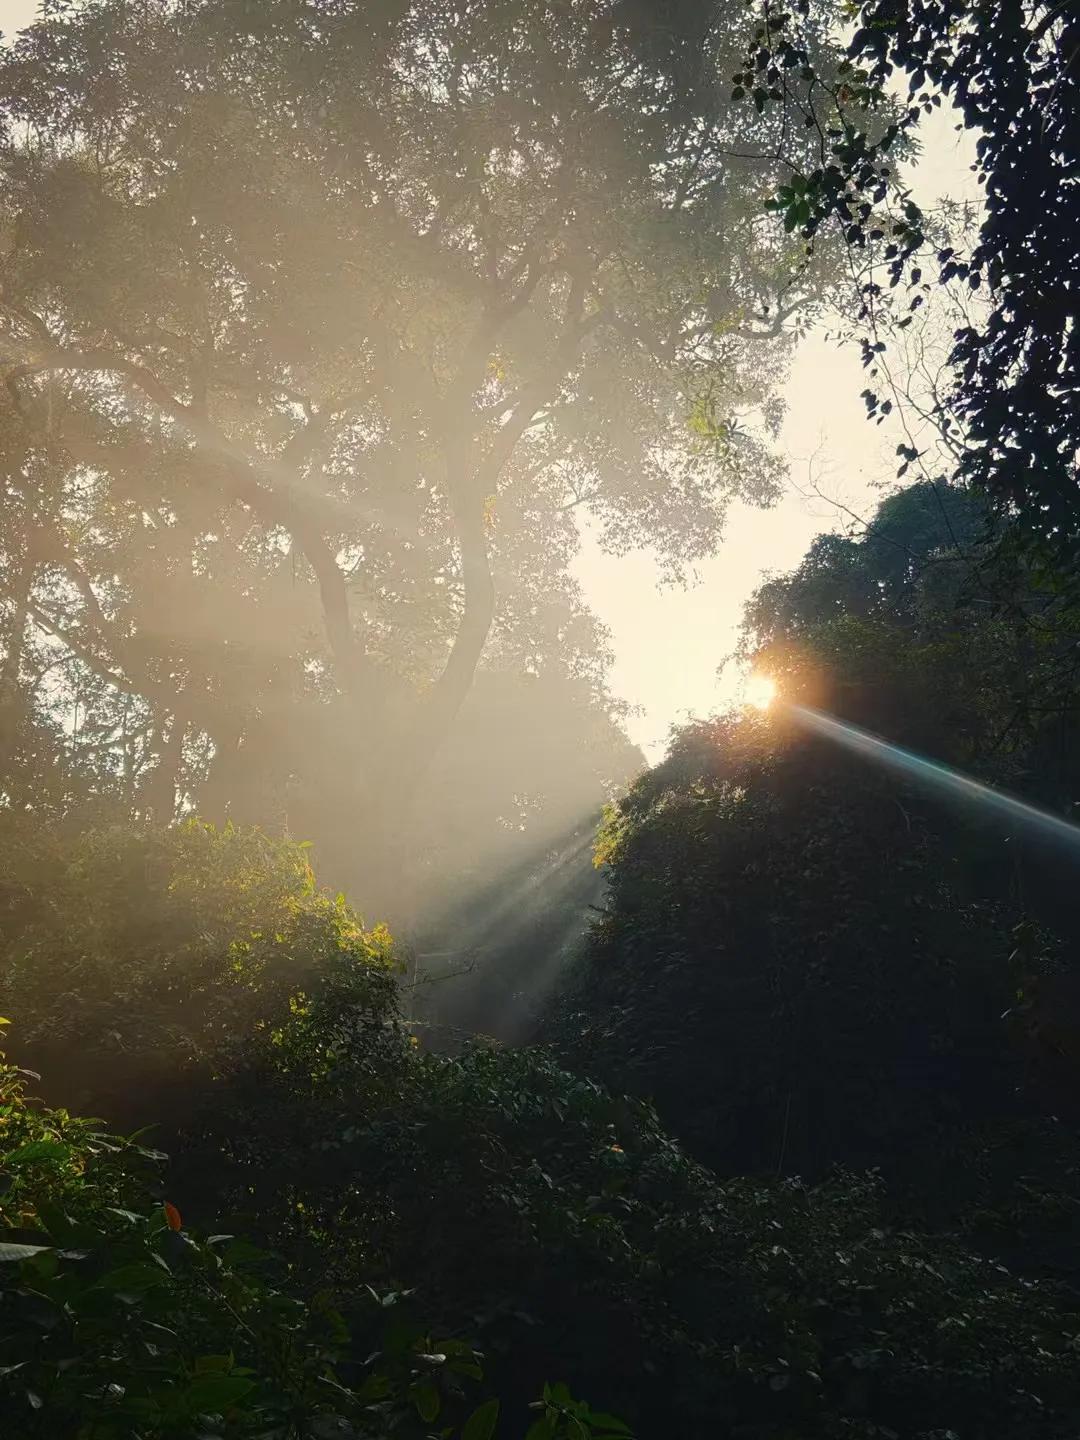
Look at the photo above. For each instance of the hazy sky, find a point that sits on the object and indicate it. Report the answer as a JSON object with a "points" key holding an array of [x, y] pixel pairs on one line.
{"points": [[669, 642], [14, 13]]}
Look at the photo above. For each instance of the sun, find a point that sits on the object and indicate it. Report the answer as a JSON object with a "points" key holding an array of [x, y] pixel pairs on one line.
{"points": [[760, 691]]}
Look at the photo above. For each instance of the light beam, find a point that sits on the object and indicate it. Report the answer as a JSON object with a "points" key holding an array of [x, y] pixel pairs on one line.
{"points": [[941, 777]]}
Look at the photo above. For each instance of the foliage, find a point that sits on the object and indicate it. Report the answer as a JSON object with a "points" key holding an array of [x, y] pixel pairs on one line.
{"points": [[788, 964], [807, 960], [1009, 70], [140, 960], [936, 630], [563, 1227], [913, 627], [120, 1324], [528, 1208], [321, 324]]}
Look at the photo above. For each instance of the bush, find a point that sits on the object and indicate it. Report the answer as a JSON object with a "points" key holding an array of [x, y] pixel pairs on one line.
{"points": [[563, 1227], [789, 966], [117, 1323], [531, 1209], [139, 961]]}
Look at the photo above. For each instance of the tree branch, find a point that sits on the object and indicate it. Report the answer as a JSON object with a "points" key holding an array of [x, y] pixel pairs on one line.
{"points": [[243, 480], [471, 479]]}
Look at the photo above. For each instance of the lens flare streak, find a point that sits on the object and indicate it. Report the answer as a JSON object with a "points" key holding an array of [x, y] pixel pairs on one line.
{"points": [[862, 742]]}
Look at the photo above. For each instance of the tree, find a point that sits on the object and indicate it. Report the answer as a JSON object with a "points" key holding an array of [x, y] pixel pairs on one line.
{"points": [[322, 322], [807, 959], [935, 628], [789, 964], [1011, 72]]}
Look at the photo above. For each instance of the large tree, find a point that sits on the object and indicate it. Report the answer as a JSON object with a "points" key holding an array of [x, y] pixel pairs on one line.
{"points": [[322, 322]]}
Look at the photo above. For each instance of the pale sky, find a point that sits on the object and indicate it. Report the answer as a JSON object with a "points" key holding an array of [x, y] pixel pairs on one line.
{"points": [[16, 13], [669, 642]]}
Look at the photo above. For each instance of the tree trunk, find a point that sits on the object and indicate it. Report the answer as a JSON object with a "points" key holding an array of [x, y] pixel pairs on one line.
{"points": [[159, 790], [12, 662]]}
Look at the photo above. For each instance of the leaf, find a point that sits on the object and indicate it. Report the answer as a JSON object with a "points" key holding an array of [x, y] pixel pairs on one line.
{"points": [[132, 1216], [36, 1150], [172, 1216], [214, 1364], [20, 1252], [134, 1278], [426, 1399], [481, 1423], [217, 1392]]}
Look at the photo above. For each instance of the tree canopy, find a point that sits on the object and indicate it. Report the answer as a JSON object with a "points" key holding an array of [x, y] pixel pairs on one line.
{"points": [[322, 325], [1010, 72], [806, 959]]}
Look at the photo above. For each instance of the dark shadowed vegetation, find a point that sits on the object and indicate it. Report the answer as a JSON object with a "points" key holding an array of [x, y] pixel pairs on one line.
{"points": [[737, 1095], [808, 960]]}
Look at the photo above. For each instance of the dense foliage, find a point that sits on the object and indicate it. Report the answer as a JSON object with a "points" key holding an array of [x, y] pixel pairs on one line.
{"points": [[1010, 72], [785, 966], [808, 958], [140, 962], [120, 1324], [576, 1237], [935, 629], [538, 1218], [321, 325]]}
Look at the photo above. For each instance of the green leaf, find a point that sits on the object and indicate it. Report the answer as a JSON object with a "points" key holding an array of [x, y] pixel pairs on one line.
{"points": [[45, 1264], [214, 1364], [134, 1278], [20, 1252], [542, 1429], [481, 1423], [214, 1393], [36, 1150], [425, 1397]]}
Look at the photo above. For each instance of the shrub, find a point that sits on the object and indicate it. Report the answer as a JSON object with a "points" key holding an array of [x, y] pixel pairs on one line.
{"points": [[117, 1323], [789, 967], [564, 1228], [532, 1209], [139, 960]]}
